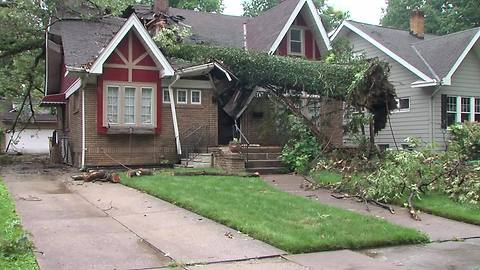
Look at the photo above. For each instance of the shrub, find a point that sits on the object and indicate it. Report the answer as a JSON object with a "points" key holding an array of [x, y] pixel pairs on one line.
{"points": [[302, 147], [465, 140]]}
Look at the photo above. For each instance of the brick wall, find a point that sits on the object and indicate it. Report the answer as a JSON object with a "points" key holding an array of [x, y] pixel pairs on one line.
{"points": [[258, 122], [138, 149], [228, 161]]}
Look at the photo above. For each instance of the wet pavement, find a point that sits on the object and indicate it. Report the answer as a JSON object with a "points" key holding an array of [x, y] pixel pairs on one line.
{"points": [[76, 225]]}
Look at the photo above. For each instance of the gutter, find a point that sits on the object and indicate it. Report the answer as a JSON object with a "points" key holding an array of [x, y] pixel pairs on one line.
{"points": [[84, 144], [174, 114]]}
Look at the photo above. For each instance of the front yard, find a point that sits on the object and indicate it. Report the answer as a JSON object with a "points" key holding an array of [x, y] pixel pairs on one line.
{"points": [[435, 203], [15, 248], [289, 222]]}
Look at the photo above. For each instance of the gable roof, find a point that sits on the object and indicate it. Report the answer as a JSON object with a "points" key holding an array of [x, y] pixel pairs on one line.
{"points": [[88, 44], [83, 41], [263, 32], [432, 59], [445, 53]]}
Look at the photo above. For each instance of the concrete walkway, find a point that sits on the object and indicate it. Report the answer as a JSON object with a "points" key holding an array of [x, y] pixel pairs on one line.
{"points": [[78, 225], [437, 228]]}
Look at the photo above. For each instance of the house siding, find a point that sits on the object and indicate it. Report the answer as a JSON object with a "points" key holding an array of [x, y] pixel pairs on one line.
{"points": [[465, 82], [414, 123]]}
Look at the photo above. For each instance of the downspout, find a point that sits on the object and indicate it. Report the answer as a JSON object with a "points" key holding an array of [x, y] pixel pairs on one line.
{"points": [[432, 110], [174, 114], [84, 144]]}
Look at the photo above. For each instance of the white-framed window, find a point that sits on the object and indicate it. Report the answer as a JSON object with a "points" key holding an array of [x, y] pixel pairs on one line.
{"points": [[166, 96], [182, 96], [451, 110], [113, 97], [403, 104], [129, 104], [147, 105], [296, 37], [462, 109], [476, 106], [196, 97]]}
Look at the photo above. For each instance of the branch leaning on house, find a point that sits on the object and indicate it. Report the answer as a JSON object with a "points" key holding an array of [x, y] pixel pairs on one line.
{"points": [[30, 78]]}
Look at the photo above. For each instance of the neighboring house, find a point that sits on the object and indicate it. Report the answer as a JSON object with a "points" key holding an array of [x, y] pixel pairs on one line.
{"points": [[437, 78], [30, 137], [120, 100]]}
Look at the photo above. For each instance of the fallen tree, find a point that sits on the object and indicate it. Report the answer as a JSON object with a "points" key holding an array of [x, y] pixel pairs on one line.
{"points": [[360, 83]]}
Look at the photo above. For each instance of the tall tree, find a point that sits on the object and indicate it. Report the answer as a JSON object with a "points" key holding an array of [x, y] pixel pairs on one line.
{"points": [[200, 5], [331, 17], [441, 16]]}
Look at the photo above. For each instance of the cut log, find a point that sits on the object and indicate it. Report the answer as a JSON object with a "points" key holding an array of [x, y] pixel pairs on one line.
{"points": [[95, 176]]}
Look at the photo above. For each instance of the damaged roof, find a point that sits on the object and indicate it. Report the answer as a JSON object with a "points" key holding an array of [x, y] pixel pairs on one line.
{"points": [[83, 41], [433, 56]]}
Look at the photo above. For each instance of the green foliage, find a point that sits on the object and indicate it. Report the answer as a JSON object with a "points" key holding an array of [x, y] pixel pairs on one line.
{"points": [[200, 5], [302, 147], [15, 248], [172, 36], [441, 16], [465, 140], [360, 82], [403, 173]]}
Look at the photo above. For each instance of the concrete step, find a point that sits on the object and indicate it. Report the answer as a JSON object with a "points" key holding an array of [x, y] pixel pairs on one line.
{"points": [[263, 163], [268, 170], [262, 156], [264, 149]]}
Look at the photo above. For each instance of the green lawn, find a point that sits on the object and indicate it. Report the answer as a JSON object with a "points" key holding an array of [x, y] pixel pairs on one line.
{"points": [[441, 205], [435, 203], [326, 178], [289, 222], [15, 248]]}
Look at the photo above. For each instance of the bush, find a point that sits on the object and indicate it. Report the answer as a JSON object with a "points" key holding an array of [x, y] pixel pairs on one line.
{"points": [[465, 140], [302, 147]]}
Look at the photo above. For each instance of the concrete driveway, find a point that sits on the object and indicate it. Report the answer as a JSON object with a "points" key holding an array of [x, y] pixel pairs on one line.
{"points": [[77, 225]]}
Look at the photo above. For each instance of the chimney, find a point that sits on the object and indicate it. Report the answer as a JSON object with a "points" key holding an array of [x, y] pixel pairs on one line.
{"points": [[160, 6], [417, 23]]}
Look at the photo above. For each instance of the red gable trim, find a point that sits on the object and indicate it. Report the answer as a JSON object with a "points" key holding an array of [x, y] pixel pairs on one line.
{"points": [[132, 71]]}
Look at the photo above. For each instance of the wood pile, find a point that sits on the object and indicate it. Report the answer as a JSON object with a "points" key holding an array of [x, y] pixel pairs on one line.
{"points": [[94, 176], [105, 176]]}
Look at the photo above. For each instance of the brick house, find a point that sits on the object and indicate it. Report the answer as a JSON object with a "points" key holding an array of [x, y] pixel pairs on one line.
{"points": [[120, 100]]}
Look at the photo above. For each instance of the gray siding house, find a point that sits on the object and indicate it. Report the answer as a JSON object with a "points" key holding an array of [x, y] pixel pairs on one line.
{"points": [[437, 78]]}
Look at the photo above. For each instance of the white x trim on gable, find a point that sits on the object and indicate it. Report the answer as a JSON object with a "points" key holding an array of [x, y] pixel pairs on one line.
{"points": [[296, 11], [382, 48], [133, 23], [448, 78]]}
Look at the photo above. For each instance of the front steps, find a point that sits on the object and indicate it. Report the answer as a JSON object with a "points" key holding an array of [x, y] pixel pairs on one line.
{"points": [[264, 160], [197, 160]]}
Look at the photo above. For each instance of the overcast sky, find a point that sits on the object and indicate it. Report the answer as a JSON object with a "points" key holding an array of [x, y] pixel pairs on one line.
{"points": [[368, 11]]}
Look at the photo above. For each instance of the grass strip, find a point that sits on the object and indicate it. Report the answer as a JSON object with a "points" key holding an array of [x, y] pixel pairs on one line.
{"points": [[15, 248], [292, 223]]}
